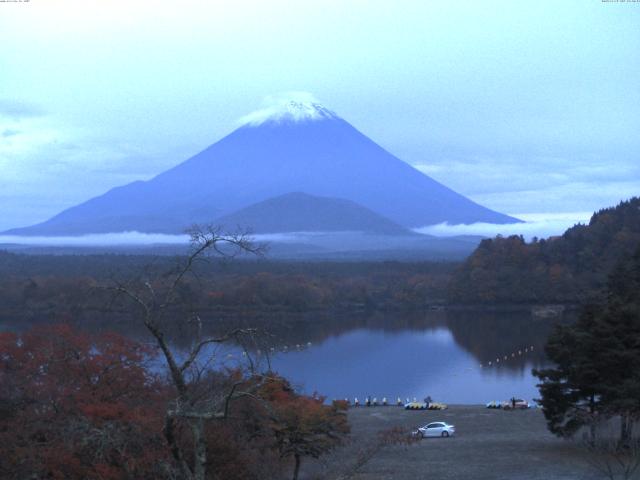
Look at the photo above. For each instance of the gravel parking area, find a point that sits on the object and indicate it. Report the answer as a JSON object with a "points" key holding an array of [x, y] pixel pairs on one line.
{"points": [[489, 444]]}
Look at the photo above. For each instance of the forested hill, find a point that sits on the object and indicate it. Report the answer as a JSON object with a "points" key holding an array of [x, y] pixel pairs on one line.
{"points": [[565, 269]]}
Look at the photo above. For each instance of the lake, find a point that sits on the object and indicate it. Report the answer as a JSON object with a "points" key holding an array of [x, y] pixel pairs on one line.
{"points": [[461, 357], [454, 356], [458, 356]]}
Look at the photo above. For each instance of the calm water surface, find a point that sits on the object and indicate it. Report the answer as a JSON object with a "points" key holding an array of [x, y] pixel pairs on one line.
{"points": [[450, 355], [403, 364]]}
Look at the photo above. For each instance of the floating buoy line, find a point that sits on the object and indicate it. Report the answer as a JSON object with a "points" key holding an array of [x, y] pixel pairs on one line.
{"points": [[267, 351], [494, 362], [505, 358], [370, 401]]}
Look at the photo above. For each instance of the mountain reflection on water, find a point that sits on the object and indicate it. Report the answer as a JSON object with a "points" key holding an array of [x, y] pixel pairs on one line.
{"points": [[444, 354]]}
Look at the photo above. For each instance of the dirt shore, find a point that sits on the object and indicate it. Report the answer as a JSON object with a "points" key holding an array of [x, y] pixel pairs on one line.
{"points": [[489, 444]]}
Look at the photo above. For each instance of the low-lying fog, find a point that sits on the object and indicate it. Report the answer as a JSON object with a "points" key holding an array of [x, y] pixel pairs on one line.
{"points": [[541, 225]]}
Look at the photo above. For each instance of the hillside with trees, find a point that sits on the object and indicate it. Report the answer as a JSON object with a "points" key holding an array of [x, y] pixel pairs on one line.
{"points": [[566, 269], [595, 372]]}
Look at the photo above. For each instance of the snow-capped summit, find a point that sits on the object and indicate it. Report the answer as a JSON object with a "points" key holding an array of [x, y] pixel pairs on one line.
{"points": [[289, 107]]}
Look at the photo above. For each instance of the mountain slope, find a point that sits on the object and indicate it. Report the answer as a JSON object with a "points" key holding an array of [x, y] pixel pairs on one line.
{"points": [[300, 212], [311, 150], [571, 268]]}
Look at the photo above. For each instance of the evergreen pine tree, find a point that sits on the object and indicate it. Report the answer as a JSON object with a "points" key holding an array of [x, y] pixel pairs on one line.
{"points": [[596, 372]]}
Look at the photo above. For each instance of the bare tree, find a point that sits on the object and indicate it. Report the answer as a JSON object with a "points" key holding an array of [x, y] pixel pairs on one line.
{"points": [[609, 457], [196, 401], [614, 462]]}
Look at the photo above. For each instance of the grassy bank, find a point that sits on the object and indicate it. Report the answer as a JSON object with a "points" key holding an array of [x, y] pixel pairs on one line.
{"points": [[489, 444]]}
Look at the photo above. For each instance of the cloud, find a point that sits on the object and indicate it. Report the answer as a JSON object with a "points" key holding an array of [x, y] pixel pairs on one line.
{"points": [[570, 196], [102, 239], [509, 173], [8, 132], [139, 238], [47, 166], [541, 225], [530, 182], [17, 109]]}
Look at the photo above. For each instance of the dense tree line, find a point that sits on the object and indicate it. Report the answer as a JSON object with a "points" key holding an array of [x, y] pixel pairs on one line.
{"points": [[571, 268], [56, 288], [109, 265]]}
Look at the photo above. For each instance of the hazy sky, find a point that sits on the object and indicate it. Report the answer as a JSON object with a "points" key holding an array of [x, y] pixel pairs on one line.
{"points": [[525, 107]]}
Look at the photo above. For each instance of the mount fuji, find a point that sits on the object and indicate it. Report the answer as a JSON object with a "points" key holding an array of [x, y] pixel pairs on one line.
{"points": [[297, 147]]}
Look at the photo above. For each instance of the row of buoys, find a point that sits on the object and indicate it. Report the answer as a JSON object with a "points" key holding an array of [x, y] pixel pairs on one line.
{"points": [[505, 358], [286, 348], [302, 346], [272, 350]]}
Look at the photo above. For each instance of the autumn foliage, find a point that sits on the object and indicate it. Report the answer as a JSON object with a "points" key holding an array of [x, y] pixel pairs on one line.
{"points": [[75, 405], [571, 268], [303, 425]]}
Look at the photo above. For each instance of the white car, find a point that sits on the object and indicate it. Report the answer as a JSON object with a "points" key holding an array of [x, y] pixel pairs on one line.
{"points": [[436, 429]]}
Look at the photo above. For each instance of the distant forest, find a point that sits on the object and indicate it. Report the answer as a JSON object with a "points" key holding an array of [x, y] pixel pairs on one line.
{"points": [[50, 288], [569, 269]]}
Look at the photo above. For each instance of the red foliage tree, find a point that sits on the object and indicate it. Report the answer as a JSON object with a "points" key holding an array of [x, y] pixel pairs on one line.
{"points": [[304, 426], [75, 405]]}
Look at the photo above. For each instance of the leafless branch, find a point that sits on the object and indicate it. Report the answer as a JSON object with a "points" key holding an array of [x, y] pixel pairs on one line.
{"points": [[195, 352], [192, 404]]}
